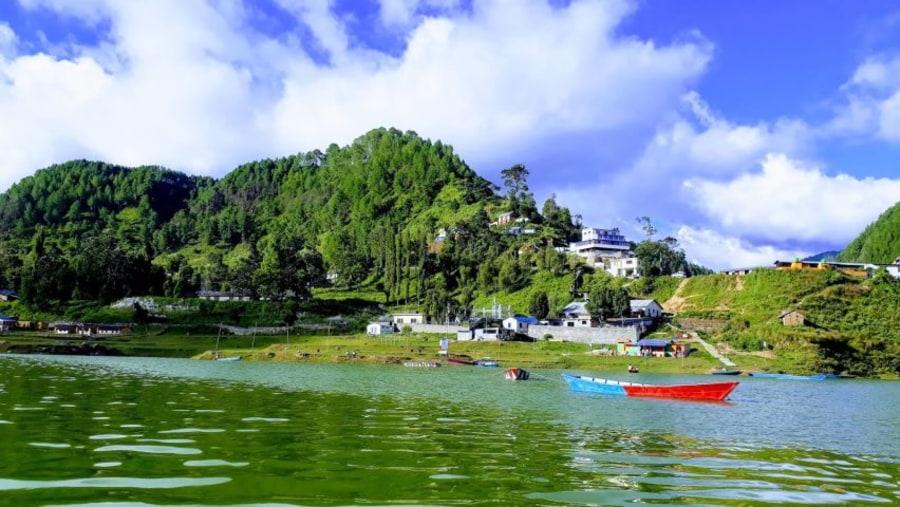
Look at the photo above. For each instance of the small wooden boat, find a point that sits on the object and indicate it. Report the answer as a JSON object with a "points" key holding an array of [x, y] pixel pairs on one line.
{"points": [[422, 364], [516, 374], [723, 371], [787, 376], [714, 391]]}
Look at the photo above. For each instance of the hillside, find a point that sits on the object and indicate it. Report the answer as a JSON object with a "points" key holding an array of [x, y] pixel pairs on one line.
{"points": [[879, 243], [850, 323], [391, 212]]}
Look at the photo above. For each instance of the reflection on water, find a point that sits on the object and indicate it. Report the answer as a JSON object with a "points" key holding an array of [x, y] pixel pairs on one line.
{"points": [[129, 432]]}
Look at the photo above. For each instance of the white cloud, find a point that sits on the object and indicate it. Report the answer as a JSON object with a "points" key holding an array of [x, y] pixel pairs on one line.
{"points": [[696, 143], [400, 13], [870, 104], [7, 40], [189, 85], [709, 248], [792, 201]]}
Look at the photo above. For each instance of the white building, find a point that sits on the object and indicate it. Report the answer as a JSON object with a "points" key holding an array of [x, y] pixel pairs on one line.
{"points": [[646, 308], [576, 315], [518, 325], [408, 318], [598, 244], [379, 328], [622, 267]]}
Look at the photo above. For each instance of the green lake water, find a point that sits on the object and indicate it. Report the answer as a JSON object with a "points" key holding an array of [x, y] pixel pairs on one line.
{"points": [[145, 432]]}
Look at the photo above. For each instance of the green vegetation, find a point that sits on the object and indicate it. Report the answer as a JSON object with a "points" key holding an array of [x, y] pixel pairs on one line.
{"points": [[850, 323], [324, 241], [879, 243]]}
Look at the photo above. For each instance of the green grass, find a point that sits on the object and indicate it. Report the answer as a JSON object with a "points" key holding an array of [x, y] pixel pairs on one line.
{"points": [[850, 322], [556, 288]]}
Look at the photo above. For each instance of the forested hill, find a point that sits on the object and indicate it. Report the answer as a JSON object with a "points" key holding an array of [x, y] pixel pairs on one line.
{"points": [[373, 212], [402, 217], [82, 197], [879, 243]]}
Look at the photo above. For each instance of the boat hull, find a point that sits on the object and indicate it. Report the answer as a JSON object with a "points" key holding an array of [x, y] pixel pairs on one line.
{"points": [[727, 372], [516, 374], [453, 360], [786, 376], [713, 391]]}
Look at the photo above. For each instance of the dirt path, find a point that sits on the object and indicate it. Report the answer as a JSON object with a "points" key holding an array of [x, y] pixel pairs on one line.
{"points": [[676, 303]]}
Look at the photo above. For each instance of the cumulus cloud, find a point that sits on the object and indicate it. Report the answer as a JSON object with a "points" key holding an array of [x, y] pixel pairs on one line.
{"points": [[870, 101], [696, 143], [788, 200], [214, 92], [717, 251]]}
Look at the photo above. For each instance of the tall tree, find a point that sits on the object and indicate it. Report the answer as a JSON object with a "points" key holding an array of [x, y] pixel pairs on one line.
{"points": [[607, 302], [540, 305]]}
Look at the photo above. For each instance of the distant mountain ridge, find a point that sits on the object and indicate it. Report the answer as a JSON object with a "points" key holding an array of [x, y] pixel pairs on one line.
{"points": [[827, 256]]}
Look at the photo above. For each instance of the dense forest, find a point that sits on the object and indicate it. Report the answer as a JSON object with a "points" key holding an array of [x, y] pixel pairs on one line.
{"points": [[391, 212], [879, 243]]}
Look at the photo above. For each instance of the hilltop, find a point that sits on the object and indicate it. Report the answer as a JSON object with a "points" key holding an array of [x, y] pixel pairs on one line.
{"points": [[879, 243]]}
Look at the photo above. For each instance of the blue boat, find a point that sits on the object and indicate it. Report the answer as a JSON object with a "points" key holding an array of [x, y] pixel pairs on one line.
{"points": [[786, 376]]}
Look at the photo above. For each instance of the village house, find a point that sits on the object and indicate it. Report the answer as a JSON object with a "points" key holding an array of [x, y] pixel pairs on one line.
{"points": [[8, 295], [575, 314], [653, 347], [518, 324], [380, 328], [738, 271], [218, 295], [792, 318], [646, 308], [88, 330], [8, 323], [504, 218], [408, 318], [622, 267]]}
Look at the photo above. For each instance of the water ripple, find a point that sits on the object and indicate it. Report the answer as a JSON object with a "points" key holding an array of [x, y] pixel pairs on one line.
{"points": [[150, 449], [215, 463], [112, 482]]}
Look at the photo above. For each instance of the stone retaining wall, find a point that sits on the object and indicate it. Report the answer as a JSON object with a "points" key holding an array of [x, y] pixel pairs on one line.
{"points": [[600, 335], [606, 334]]}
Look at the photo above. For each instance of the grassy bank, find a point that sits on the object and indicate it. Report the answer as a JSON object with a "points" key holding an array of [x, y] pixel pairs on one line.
{"points": [[394, 349]]}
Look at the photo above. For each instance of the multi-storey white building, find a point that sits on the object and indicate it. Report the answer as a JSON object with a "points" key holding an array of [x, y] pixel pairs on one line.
{"points": [[622, 267]]}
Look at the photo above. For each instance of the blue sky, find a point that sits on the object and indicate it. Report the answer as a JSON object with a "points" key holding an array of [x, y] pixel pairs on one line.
{"points": [[749, 131]]}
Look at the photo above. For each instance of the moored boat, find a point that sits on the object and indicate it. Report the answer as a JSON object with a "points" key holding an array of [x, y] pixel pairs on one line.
{"points": [[787, 376], [713, 391], [458, 360], [422, 364], [723, 371], [232, 358], [487, 362], [516, 374]]}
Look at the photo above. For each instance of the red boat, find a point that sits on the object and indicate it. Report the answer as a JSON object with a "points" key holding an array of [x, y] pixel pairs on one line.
{"points": [[516, 374], [707, 391]]}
